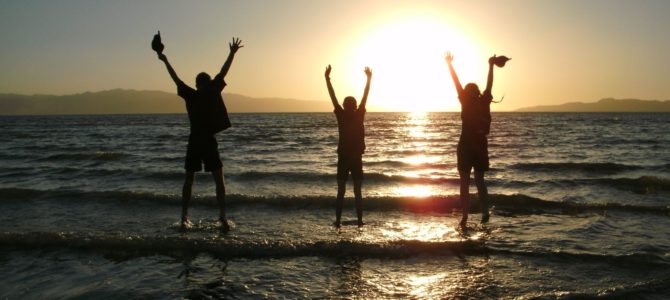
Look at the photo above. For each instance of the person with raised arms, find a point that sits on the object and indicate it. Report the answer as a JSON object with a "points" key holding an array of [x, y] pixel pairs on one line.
{"points": [[207, 115], [472, 151], [350, 146]]}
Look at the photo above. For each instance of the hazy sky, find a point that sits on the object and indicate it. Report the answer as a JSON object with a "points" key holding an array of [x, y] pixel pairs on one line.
{"points": [[561, 50]]}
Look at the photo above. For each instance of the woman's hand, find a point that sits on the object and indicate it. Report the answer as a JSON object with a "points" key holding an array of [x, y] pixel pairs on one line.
{"points": [[449, 57]]}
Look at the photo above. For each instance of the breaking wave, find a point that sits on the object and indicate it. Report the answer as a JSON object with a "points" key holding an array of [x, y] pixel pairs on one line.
{"points": [[514, 204]]}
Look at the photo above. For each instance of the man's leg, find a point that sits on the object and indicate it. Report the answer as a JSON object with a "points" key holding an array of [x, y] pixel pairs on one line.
{"points": [[483, 195], [186, 196], [465, 195], [359, 201], [221, 196], [341, 186]]}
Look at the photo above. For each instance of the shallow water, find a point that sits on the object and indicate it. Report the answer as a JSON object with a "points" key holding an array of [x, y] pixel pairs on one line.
{"points": [[89, 206]]}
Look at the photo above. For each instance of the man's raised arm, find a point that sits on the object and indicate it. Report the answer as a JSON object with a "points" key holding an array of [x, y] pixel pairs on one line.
{"points": [[331, 91], [235, 45], [449, 58], [364, 100], [489, 79], [171, 71]]}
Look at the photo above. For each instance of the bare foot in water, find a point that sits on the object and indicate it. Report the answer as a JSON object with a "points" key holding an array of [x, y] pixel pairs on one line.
{"points": [[224, 225], [185, 224], [463, 224], [485, 217]]}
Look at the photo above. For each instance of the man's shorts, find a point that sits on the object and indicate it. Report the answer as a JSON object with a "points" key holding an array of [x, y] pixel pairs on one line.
{"points": [[349, 163], [473, 152], [202, 149]]}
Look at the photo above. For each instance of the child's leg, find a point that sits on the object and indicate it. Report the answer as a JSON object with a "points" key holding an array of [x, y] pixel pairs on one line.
{"points": [[341, 186], [359, 201], [465, 195]]}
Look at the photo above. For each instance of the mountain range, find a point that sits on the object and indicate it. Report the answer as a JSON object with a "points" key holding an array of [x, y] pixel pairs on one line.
{"points": [[121, 101], [605, 105]]}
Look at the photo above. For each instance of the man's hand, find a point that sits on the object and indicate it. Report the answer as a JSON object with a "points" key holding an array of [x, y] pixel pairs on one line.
{"points": [[368, 72], [492, 60], [235, 45], [327, 74], [162, 57], [449, 57]]}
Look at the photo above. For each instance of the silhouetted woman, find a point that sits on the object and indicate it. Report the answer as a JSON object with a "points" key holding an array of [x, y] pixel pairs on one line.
{"points": [[473, 144]]}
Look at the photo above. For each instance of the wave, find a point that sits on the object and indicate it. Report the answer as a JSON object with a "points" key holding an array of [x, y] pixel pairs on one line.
{"points": [[323, 177], [406, 165], [520, 203], [387, 163], [640, 185], [509, 204], [16, 155], [601, 168], [655, 286], [638, 258], [228, 248], [637, 290], [19, 194], [99, 155], [263, 248]]}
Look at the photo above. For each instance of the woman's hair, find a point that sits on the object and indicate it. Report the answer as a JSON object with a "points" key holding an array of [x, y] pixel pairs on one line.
{"points": [[349, 103], [472, 89]]}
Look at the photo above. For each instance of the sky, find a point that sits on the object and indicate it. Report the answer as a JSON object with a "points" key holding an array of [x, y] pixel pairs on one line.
{"points": [[562, 51]]}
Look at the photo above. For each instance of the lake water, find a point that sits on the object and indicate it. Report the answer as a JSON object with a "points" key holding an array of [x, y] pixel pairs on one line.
{"points": [[580, 208]]}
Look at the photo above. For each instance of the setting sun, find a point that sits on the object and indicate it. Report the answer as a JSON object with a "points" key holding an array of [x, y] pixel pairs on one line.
{"points": [[407, 57]]}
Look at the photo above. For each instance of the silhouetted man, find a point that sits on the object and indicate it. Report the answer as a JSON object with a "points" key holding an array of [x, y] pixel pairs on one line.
{"points": [[472, 149], [208, 115], [350, 146]]}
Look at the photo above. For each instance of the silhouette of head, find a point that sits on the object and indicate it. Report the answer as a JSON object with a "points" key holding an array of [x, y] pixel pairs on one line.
{"points": [[349, 103], [202, 80], [471, 90]]}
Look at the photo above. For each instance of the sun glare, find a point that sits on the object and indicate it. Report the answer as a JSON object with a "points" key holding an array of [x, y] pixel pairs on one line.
{"points": [[419, 231], [407, 58], [418, 191]]}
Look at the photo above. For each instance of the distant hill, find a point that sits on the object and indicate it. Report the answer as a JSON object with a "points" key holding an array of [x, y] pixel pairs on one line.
{"points": [[121, 101], [605, 105]]}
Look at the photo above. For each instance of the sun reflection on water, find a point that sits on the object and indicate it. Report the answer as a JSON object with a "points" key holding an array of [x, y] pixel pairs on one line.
{"points": [[425, 232], [421, 159], [414, 191], [421, 286], [418, 279]]}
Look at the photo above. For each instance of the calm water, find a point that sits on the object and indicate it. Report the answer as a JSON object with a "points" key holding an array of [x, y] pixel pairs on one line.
{"points": [[581, 208]]}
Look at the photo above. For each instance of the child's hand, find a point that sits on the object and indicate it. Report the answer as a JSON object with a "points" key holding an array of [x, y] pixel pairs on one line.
{"points": [[368, 72], [449, 57]]}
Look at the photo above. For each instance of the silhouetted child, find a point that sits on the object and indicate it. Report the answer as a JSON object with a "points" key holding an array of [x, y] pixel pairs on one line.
{"points": [[350, 146], [472, 149], [208, 115]]}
